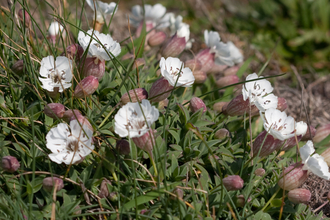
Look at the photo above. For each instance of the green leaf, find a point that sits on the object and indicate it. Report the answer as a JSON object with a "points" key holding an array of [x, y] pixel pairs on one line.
{"points": [[142, 199]]}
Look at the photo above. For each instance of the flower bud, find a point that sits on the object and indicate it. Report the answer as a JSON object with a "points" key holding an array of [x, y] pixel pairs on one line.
{"points": [[267, 143], [160, 90], [113, 196], [178, 192], [18, 67], [123, 147], [104, 191], [281, 104], [146, 142], [92, 66], [200, 76], [238, 106], [54, 110], [233, 182], [86, 87], [227, 80], [157, 39], [216, 68], [9, 164], [68, 114], [240, 201], [174, 46], [162, 104], [196, 104], [299, 195], [218, 107], [21, 13], [74, 51], [134, 95], [139, 62], [221, 134], [311, 131], [49, 183], [207, 59], [321, 133], [294, 176], [231, 70], [259, 172], [193, 64]]}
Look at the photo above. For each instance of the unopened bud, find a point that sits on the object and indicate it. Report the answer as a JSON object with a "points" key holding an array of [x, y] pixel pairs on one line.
{"points": [[294, 176], [160, 90], [207, 60], [134, 95], [227, 80], [86, 87], [139, 62], [299, 195], [233, 182], [92, 66], [123, 147], [281, 104], [113, 196], [104, 191], [216, 68], [54, 110], [259, 172], [231, 70], [221, 133], [74, 51], [18, 67], [68, 114], [178, 192], [146, 142], [238, 106], [310, 134], [26, 20], [193, 64], [49, 183], [9, 164], [321, 133], [200, 76], [157, 39], [267, 143], [196, 104], [240, 201], [174, 47], [218, 107]]}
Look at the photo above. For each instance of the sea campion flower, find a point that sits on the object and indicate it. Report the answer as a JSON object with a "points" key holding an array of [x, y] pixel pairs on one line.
{"points": [[96, 48], [180, 28], [55, 74], [134, 121], [102, 9], [70, 146], [154, 16], [258, 93]]}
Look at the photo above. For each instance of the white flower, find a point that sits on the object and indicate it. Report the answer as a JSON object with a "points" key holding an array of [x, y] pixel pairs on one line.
{"points": [[95, 48], [180, 28], [235, 54], [258, 93], [170, 70], [222, 53], [133, 121], [281, 126], [102, 9], [58, 74], [55, 29], [315, 163], [154, 15], [69, 146]]}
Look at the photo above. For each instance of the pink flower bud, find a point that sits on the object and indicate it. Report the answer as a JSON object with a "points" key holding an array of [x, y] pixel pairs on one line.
{"points": [[149, 26], [21, 13], [227, 80], [74, 51], [157, 39], [216, 68], [294, 176], [49, 183], [193, 64], [200, 76], [146, 142], [139, 62], [92, 66], [270, 144], [123, 147], [238, 106], [259, 172], [86, 87], [321, 133], [281, 104], [221, 133], [207, 60], [134, 95], [219, 106], [9, 164], [18, 67], [233, 182], [174, 46], [104, 191], [311, 131], [54, 110], [299, 195], [68, 114], [196, 104], [231, 70], [160, 90], [178, 192]]}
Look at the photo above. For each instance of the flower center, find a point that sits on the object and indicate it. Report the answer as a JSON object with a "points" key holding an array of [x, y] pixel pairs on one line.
{"points": [[175, 72], [73, 145], [135, 122], [56, 76]]}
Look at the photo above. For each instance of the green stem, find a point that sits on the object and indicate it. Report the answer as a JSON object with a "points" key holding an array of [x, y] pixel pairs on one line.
{"points": [[269, 201], [153, 163]]}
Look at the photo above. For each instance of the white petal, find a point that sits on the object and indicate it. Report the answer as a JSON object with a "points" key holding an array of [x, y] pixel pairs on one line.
{"points": [[318, 166], [306, 151], [301, 128]]}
